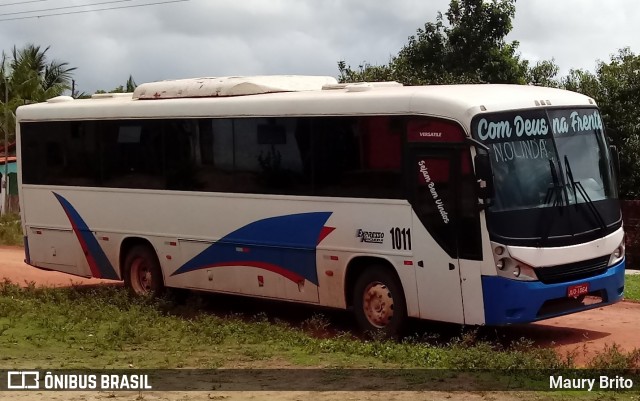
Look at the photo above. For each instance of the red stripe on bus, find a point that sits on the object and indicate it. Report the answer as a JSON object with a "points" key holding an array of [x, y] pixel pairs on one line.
{"points": [[295, 277]]}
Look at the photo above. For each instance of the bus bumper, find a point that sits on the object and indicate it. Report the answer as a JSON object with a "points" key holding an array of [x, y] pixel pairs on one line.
{"points": [[511, 301]]}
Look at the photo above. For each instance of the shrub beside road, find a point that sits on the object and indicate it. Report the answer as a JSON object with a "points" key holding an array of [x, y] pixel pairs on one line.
{"points": [[11, 230]]}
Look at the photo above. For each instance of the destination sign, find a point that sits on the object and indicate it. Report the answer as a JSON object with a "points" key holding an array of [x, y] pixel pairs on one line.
{"points": [[536, 124], [529, 134]]}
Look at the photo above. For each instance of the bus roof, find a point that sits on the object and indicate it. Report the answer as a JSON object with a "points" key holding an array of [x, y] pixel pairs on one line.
{"points": [[317, 96], [230, 86]]}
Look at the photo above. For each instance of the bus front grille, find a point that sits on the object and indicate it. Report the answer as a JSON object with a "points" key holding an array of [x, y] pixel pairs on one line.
{"points": [[572, 271]]}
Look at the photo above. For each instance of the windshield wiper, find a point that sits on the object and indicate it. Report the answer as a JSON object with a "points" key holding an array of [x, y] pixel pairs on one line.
{"points": [[556, 189], [555, 192], [578, 188]]}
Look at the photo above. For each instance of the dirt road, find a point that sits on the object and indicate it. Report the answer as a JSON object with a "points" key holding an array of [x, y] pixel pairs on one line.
{"points": [[12, 267], [584, 333]]}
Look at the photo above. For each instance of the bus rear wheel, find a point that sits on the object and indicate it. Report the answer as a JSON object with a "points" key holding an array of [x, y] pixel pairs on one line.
{"points": [[379, 303], [142, 273]]}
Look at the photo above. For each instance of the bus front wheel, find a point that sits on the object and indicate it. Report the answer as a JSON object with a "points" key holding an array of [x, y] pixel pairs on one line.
{"points": [[379, 303], [142, 273]]}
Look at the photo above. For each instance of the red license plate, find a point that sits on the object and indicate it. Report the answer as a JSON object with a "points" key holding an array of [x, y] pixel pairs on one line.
{"points": [[576, 290]]}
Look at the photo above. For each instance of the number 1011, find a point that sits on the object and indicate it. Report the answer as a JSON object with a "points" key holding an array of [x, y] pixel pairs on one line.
{"points": [[401, 238]]}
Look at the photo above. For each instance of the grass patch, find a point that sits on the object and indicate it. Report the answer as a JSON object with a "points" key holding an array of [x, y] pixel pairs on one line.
{"points": [[632, 287], [103, 327], [11, 230], [97, 327]]}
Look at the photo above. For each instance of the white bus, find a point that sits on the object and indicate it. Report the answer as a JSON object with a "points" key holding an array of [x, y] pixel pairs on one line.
{"points": [[473, 204]]}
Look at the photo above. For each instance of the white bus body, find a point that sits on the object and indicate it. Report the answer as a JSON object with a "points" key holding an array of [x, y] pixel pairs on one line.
{"points": [[344, 196]]}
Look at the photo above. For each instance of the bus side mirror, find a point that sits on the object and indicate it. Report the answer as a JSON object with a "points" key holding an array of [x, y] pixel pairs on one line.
{"points": [[484, 176], [615, 157]]}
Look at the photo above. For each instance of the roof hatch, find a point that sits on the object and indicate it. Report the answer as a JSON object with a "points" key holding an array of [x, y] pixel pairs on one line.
{"points": [[230, 86]]}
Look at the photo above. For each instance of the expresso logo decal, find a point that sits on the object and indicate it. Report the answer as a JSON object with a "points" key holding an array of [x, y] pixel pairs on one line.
{"points": [[373, 237]]}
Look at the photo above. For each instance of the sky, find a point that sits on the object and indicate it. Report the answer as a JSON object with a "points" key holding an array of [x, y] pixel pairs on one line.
{"points": [[198, 38]]}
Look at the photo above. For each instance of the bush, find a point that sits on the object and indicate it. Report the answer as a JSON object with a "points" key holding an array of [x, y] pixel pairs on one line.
{"points": [[11, 230]]}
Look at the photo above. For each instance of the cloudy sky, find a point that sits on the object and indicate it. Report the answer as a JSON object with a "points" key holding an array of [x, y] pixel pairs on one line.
{"points": [[248, 37]]}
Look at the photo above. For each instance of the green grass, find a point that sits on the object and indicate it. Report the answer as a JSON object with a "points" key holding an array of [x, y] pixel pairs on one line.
{"points": [[103, 325], [632, 287], [11, 230]]}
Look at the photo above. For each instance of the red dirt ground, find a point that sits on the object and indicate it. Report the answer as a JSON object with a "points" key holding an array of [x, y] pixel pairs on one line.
{"points": [[584, 333], [12, 267]]}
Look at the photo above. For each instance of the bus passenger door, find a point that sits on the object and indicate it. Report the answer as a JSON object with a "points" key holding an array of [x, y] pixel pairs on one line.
{"points": [[433, 174]]}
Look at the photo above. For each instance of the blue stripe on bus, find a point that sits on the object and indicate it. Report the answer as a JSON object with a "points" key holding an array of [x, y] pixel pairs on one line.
{"points": [[283, 244], [509, 301], [27, 255], [99, 264]]}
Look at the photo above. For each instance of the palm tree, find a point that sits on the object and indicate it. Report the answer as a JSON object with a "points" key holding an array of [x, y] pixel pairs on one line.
{"points": [[29, 77], [131, 85], [34, 78], [128, 87], [8, 104]]}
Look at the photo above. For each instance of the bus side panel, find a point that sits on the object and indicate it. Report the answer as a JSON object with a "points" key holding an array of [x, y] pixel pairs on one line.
{"points": [[247, 277], [437, 280], [471, 273], [197, 221], [332, 267], [56, 250], [472, 295], [52, 241], [362, 230]]}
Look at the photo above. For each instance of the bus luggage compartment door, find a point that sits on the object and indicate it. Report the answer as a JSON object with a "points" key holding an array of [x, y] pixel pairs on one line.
{"points": [[263, 271], [57, 249]]}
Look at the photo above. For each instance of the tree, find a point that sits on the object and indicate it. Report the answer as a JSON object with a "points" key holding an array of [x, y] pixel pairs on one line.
{"points": [[469, 48], [128, 87], [544, 74], [27, 76], [616, 88], [365, 73], [581, 81], [34, 78]]}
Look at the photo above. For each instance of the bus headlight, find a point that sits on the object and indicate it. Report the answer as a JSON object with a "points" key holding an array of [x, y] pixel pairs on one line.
{"points": [[510, 268], [618, 254], [525, 272], [514, 269]]}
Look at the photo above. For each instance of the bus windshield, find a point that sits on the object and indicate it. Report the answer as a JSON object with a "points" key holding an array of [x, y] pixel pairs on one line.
{"points": [[548, 158]]}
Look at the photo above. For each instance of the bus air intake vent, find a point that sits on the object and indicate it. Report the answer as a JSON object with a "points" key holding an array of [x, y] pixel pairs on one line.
{"points": [[572, 271]]}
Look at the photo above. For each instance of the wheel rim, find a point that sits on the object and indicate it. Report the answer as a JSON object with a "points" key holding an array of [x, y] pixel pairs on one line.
{"points": [[141, 278], [378, 304]]}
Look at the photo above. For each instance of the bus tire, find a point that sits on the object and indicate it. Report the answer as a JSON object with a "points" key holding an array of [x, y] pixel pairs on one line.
{"points": [[378, 303], [142, 273]]}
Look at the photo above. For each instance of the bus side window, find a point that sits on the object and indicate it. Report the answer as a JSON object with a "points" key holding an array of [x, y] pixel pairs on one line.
{"points": [[356, 157], [60, 153], [205, 136], [251, 155], [132, 155], [181, 157]]}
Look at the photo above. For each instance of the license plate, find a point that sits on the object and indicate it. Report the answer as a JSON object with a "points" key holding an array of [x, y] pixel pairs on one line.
{"points": [[576, 290]]}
